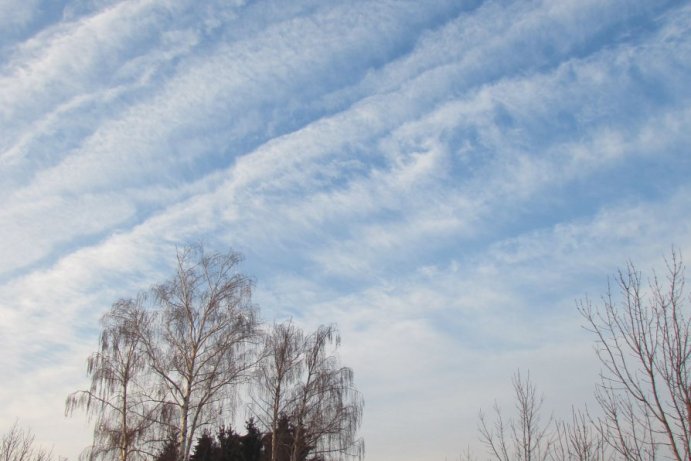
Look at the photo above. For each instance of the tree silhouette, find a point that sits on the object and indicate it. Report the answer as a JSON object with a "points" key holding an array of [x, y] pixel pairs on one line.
{"points": [[251, 442]]}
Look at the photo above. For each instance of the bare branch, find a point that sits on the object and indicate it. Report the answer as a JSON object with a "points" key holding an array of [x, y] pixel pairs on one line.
{"points": [[19, 445], [522, 437], [643, 343]]}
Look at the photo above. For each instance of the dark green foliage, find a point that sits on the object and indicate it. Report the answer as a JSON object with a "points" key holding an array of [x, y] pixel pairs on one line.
{"points": [[206, 449], [284, 434], [228, 445], [169, 452], [251, 442]]}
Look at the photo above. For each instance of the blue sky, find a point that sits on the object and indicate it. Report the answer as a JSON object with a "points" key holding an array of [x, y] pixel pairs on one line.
{"points": [[443, 179]]}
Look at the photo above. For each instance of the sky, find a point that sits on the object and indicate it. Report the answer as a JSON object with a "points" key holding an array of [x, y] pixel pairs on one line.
{"points": [[442, 179]]}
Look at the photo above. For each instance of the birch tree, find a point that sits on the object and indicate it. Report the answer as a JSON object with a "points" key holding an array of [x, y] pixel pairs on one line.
{"points": [[119, 396], [199, 342], [327, 409], [305, 398], [277, 375]]}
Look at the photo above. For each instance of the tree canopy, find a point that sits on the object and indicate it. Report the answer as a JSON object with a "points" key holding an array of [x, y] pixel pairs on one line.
{"points": [[173, 361]]}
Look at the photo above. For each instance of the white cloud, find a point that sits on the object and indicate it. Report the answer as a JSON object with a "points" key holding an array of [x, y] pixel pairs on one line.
{"points": [[442, 180], [15, 15]]}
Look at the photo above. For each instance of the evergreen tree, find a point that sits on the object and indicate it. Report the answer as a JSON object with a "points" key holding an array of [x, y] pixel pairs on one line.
{"points": [[230, 445], [251, 442], [282, 440], [206, 449], [169, 452]]}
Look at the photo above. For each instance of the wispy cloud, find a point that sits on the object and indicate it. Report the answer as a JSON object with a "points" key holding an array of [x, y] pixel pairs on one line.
{"points": [[441, 178]]}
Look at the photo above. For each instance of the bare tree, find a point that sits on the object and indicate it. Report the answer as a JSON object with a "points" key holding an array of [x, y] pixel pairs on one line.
{"points": [[198, 339], [301, 381], [467, 455], [579, 439], [18, 445], [327, 408], [523, 438], [118, 396], [277, 374], [644, 345], [171, 362]]}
